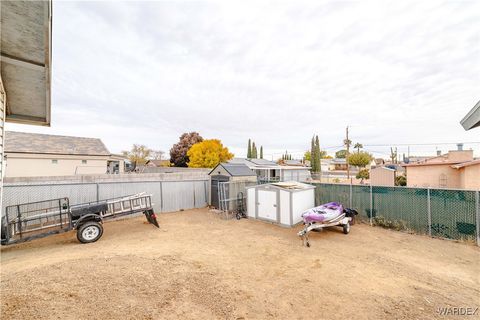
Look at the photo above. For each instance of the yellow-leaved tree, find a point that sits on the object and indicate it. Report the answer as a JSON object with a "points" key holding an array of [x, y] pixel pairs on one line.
{"points": [[207, 154]]}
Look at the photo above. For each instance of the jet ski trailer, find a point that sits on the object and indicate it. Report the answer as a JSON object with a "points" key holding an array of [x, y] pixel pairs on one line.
{"points": [[327, 215]]}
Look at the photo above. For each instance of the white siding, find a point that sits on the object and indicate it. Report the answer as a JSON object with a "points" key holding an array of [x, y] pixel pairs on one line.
{"points": [[302, 201], [284, 207], [251, 202]]}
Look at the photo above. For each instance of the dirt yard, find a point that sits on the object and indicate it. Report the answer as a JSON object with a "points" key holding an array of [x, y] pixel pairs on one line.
{"points": [[198, 266]]}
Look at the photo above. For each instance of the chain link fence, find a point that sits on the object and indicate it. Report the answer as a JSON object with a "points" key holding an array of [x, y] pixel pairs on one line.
{"points": [[443, 213], [167, 196]]}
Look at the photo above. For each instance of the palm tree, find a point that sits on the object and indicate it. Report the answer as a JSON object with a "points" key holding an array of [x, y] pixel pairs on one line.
{"points": [[358, 146]]}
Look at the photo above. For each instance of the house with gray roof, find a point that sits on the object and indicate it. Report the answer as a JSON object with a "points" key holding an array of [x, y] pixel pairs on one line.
{"points": [[34, 155], [270, 171]]}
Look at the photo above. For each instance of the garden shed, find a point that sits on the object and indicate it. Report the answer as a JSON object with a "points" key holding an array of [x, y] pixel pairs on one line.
{"points": [[228, 172], [281, 203]]}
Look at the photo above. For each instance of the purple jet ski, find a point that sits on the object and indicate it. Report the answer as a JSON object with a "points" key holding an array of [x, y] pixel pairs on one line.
{"points": [[325, 212], [327, 215]]}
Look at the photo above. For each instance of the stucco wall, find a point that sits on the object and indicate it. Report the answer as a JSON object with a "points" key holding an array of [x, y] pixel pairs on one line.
{"points": [[31, 165], [471, 177], [429, 176]]}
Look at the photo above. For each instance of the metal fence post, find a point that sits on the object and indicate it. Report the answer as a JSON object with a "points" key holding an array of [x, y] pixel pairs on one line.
{"points": [[371, 205], [429, 213], [161, 196], [477, 196], [350, 202]]}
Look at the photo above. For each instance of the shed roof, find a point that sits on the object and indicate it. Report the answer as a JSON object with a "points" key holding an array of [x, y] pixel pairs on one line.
{"points": [[22, 142], [236, 169], [286, 185]]}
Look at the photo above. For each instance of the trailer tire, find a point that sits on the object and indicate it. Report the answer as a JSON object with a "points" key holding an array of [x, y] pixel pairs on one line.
{"points": [[346, 228], [89, 232]]}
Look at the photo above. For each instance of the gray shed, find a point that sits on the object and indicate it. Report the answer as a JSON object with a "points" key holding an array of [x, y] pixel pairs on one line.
{"points": [[228, 172]]}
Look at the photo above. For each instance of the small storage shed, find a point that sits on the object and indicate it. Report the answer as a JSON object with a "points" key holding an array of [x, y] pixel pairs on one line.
{"points": [[225, 172], [281, 203]]}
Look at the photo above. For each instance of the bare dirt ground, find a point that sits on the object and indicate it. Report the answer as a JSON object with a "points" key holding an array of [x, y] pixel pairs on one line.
{"points": [[198, 266]]}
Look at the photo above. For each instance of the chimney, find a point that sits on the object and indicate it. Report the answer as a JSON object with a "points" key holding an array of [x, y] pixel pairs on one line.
{"points": [[439, 152], [460, 146]]}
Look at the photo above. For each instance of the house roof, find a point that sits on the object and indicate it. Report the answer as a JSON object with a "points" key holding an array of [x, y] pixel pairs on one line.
{"points": [[423, 164], [262, 164], [157, 163], [26, 60], [339, 161], [293, 163], [472, 119], [22, 142], [466, 164], [235, 169]]}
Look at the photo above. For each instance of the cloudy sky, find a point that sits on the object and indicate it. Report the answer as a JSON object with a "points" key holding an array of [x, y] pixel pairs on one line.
{"points": [[396, 72]]}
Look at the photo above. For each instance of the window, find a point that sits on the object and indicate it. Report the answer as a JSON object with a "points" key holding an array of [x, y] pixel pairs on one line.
{"points": [[54, 161], [442, 181], [84, 161]]}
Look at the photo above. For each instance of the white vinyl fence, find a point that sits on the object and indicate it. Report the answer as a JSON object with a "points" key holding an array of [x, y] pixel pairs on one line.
{"points": [[167, 196]]}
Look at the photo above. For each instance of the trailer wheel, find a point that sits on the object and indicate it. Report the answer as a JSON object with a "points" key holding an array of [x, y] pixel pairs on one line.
{"points": [[89, 232], [346, 228]]}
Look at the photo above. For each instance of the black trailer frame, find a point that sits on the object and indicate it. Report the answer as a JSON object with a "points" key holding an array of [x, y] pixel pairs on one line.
{"points": [[33, 220]]}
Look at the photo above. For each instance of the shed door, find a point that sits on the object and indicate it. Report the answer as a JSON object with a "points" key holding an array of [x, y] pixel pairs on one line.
{"points": [[214, 188], [267, 205]]}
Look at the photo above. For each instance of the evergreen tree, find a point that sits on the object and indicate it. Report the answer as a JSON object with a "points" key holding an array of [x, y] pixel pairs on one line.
{"points": [[317, 155], [249, 150], [254, 151], [312, 155], [261, 152]]}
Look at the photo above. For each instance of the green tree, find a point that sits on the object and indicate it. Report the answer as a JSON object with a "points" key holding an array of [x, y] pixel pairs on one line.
{"points": [[207, 154], [318, 166], [341, 154], [307, 156], [401, 181], [261, 152], [360, 159], [363, 174], [138, 154], [254, 150], [249, 150], [312, 155], [358, 146]]}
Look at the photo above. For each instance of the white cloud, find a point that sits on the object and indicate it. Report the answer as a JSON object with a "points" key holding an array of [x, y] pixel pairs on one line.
{"points": [[145, 72]]}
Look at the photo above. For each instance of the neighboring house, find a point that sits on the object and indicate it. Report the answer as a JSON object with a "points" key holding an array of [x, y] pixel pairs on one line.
{"points": [[383, 176], [271, 171], [472, 119], [456, 169], [158, 163], [33, 155], [378, 162]]}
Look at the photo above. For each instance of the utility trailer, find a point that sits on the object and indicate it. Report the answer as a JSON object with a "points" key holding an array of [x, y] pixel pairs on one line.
{"points": [[28, 221]]}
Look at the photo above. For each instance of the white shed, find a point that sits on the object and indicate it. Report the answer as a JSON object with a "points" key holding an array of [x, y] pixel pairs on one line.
{"points": [[281, 203]]}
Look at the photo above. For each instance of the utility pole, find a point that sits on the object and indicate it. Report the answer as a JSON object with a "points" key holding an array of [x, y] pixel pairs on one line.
{"points": [[348, 152]]}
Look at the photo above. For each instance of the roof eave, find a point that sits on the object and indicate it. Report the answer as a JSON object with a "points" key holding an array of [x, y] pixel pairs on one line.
{"points": [[472, 119]]}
